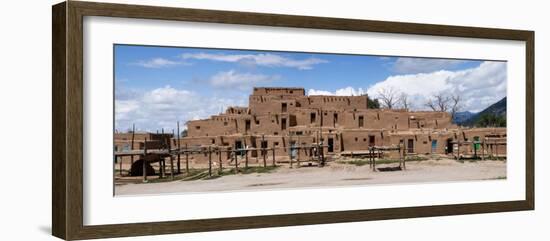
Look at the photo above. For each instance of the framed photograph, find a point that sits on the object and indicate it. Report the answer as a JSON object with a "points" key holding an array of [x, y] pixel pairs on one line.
{"points": [[171, 120]]}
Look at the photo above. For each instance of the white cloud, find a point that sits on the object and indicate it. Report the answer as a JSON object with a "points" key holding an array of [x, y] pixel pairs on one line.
{"points": [[479, 87], [156, 63], [162, 107], [241, 81], [268, 60], [406, 65], [347, 91]]}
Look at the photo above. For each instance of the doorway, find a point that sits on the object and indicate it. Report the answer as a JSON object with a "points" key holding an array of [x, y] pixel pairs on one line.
{"points": [[434, 146], [371, 140], [238, 146], [410, 146], [294, 150], [330, 145], [449, 148]]}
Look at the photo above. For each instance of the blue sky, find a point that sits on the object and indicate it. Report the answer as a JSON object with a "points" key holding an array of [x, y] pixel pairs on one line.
{"points": [[157, 86]]}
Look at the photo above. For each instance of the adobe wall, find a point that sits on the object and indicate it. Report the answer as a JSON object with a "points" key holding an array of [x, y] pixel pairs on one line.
{"points": [[286, 115], [359, 140], [263, 104], [278, 91]]}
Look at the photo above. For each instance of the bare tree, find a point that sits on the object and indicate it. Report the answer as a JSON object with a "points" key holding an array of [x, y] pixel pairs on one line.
{"points": [[439, 102], [455, 105], [389, 97], [431, 104], [405, 101]]}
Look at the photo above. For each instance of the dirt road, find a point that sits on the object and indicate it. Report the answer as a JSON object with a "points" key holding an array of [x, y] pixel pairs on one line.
{"points": [[336, 174]]}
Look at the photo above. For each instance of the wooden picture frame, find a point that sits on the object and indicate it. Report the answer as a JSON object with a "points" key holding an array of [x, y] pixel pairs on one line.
{"points": [[67, 137]]}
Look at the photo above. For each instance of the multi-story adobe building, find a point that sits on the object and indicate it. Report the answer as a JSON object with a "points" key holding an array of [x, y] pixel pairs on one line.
{"points": [[281, 118]]}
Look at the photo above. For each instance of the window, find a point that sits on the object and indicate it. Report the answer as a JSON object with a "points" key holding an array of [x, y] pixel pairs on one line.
{"points": [[335, 118], [361, 120], [198, 127], [284, 107], [276, 143], [225, 123], [263, 144], [247, 125], [312, 118], [283, 124]]}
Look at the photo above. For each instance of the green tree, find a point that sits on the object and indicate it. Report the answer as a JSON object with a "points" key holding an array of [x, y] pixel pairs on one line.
{"points": [[373, 103], [491, 120]]}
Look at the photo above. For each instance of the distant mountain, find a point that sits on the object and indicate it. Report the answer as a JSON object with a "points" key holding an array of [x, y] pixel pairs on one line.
{"points": [[461, 117], [495, 111]]}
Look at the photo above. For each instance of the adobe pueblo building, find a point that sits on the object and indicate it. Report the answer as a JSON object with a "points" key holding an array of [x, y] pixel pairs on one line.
{"points": [[293, 125]]}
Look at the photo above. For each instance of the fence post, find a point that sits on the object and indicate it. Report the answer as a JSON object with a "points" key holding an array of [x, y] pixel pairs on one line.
{"points": [[179, 150], [263, 151], [132, 144], [234, 156], [171, 166], [220, 171], [245, 155], [186, 160], [209, 161], [274, 154], [144, 167]]}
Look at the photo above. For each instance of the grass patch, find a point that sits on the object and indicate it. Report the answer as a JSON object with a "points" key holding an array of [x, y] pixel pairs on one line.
{"points": [[497, 178], [202, 174], [476, 159], [251, 170], [494, 158], [362, 162]]}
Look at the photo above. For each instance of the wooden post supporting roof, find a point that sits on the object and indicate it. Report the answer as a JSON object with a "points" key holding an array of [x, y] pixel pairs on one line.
{"points": [[273, 153], [179, 150], [209, 161], [246, 155], [263, 150], [171, 167], [132, 144], [186, 160], [120, 165], [144, 167], [404, 157], [290, 148], [220, 171], [234, 156]]}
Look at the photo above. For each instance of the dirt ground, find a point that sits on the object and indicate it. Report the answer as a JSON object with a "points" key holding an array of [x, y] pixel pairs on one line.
{"points": [[334, 174]]}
